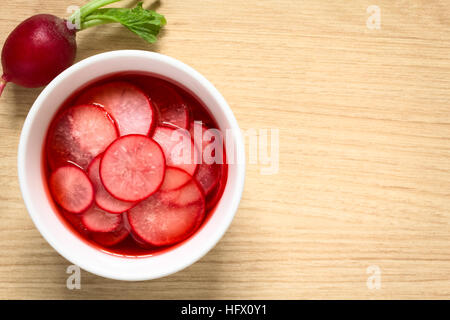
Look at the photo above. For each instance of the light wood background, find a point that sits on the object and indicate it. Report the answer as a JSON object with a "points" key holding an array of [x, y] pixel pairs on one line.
{"points": [[364, 172]]}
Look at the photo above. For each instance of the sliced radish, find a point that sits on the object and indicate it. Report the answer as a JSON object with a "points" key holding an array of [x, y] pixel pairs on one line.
{"points": [[132, 168], [174, 178], [133, 235], [112, 238], [71, 189], [128, 105], [79, 134], [186, 195], [103, 198], [75, 221], [160, 223], [172, 109], [178, 147], [216, 194], [141, 243], [98, 220], [208, 174]]}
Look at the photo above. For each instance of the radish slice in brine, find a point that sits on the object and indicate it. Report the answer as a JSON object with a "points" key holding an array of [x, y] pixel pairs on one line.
{"points": [[178, 147], [111, 238], [75, 222], [174, 179], [132, 168], [98, 220], [158, 222], [71, 189], [216, 193], [172, 108], [188, 194], [126, 103], [78, 135], [208, 174], [103, 198]]}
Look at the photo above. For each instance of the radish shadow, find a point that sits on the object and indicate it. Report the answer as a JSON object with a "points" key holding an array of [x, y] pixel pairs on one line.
{"points": [[119, 39], [16, 102]]}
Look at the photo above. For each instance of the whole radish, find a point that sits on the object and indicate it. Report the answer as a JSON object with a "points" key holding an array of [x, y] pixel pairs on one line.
{"points": [[42, 46], [37, 50]]}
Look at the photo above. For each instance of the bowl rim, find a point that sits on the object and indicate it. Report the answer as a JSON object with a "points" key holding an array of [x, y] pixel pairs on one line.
{"points": [[231, 207]]}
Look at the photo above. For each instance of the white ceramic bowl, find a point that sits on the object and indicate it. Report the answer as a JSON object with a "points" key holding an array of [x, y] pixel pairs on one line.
{"points": [[31, 175]]}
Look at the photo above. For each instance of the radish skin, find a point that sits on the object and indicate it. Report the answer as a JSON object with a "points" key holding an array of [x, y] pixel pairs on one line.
{"points": [[37, 50]]}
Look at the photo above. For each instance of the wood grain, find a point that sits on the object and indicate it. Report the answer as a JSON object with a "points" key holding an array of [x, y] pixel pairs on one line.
{"points": [[364, 173]]}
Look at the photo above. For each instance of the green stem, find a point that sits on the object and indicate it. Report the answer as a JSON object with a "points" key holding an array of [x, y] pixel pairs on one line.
{"points": [[90, 7], [94, 5], [93, 23]]}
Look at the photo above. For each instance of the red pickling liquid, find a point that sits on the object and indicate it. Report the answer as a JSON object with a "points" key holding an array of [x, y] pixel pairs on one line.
{"points": [[129, 247]]}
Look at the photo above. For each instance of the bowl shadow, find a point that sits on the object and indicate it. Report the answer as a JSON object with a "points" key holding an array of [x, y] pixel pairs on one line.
{"points": [[205, 279]]}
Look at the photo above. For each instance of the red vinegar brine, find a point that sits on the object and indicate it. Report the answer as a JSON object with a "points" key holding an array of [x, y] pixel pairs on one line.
{"points": [[134, 164]]}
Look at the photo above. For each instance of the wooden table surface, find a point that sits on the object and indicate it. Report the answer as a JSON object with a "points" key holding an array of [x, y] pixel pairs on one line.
{"points": [[364, 146]]}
